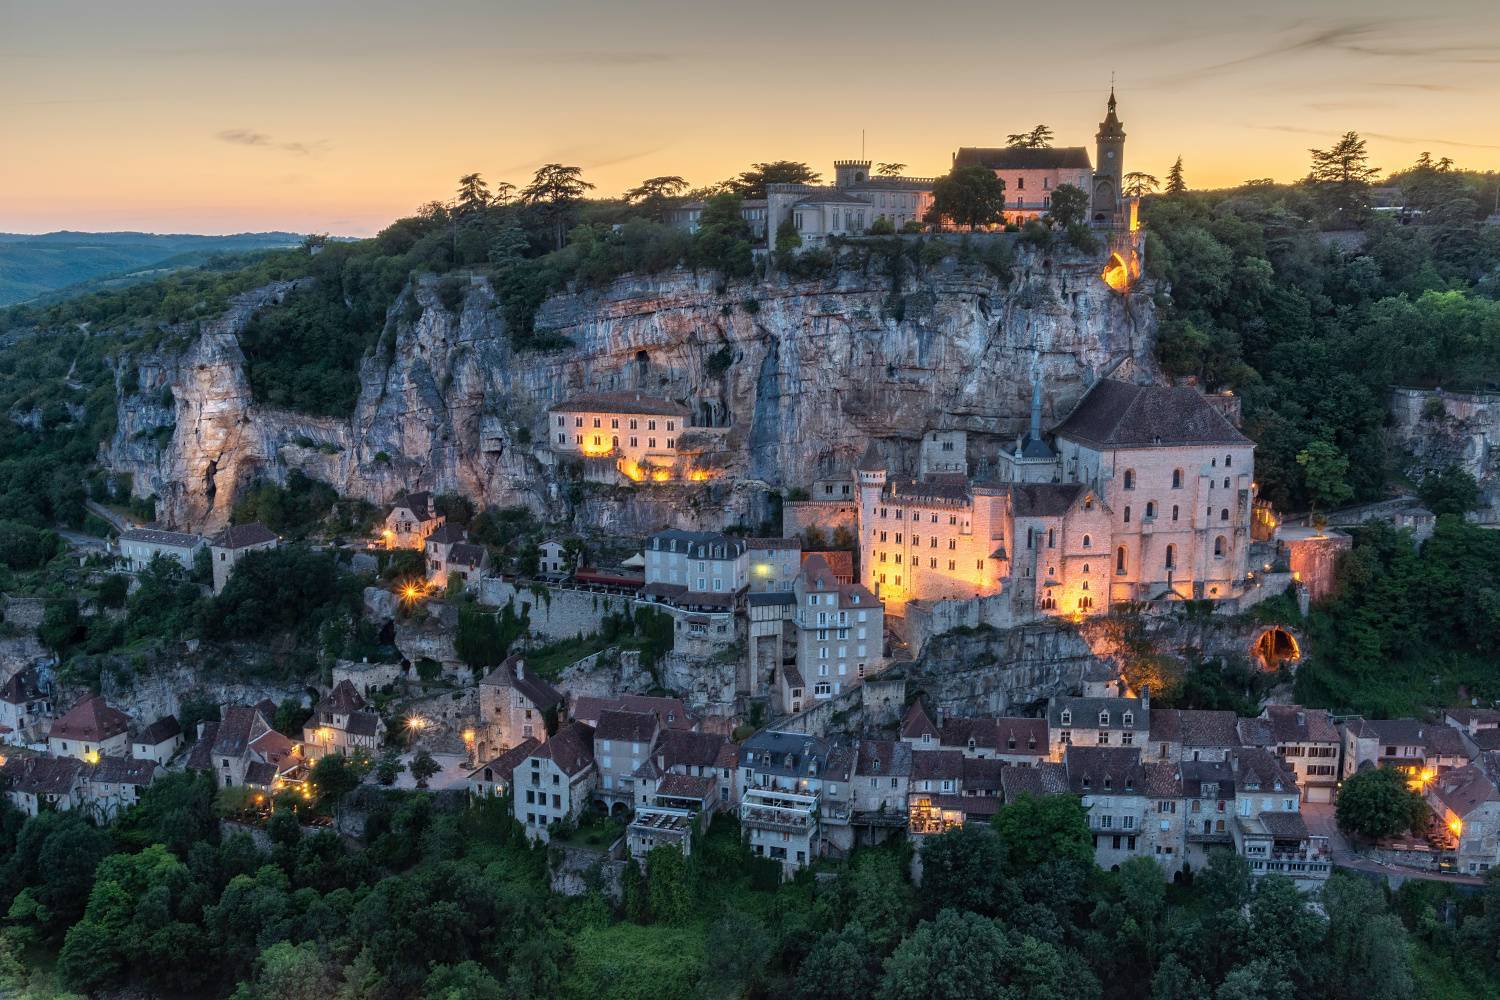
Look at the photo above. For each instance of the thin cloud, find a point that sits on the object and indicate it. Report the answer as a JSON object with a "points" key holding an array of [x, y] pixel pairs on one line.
{"points": [[1348, 105], [1437, 88], [590, 158], [1383, 136], [260, 140], [1372, 38]]}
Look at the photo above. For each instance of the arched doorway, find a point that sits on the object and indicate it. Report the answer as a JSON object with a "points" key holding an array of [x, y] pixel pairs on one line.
{"points": [[1276, 647]]}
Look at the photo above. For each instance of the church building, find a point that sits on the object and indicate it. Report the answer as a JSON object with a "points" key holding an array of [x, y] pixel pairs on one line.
{"points": [[1143, 493]]}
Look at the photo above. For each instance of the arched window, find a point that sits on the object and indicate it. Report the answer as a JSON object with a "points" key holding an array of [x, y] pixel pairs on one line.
{"points": [[1051, 538], [1171, 556], [1150, 508], [1219, 547], [1127, 515], [1120, 561], [1174, 512], [1176, 479], [1224, 514], [1085, 573], [1130, 479], [1228, 461], [1088, 543]]}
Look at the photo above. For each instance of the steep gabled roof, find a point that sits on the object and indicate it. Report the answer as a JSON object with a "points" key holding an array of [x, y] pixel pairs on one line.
{"points": [[512, 673], [1123, 415], [572, 749], [629, 727], [503, 766], [871, 460], [1043, 499], [447, 533], [91, 720], [342, 700], [160, 731], [916, 724]]}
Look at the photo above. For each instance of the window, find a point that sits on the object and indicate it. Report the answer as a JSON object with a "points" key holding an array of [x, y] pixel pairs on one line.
{"points": [[1176, 479], [1127, 515], [1224, 514], [1104, 717], [1088, 543], [1219, 547], [1120, 561], [1228, 461], [1150, 508], [1130, 479], [1171, 562], [1067, 717], [1175, 512], [1051, 538]]}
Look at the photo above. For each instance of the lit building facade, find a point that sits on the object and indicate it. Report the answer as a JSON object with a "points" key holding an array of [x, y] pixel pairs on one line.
{"points": [[1145, 493]]}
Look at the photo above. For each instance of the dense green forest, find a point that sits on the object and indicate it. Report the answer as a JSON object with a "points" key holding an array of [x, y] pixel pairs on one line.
{"points": [[1312, 331], [453, 904]]}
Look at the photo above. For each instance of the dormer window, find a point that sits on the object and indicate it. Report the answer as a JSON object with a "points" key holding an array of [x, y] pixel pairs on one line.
{"points": [[1085, 782], [971, 743], [1107, 783], [1010, 744], [1104, 718], [1067, 717], [926, 737], [1128, 718]]}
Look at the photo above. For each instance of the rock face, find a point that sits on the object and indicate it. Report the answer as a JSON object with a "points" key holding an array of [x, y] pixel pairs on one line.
{"points": [[1001, 672], [1439, 429], [814, 371]]}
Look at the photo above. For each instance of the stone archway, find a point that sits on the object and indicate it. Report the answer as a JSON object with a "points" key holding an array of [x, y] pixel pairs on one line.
{"points": [[1275, 647]]}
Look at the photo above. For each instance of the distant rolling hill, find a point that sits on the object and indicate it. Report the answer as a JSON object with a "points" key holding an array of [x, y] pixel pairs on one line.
{"points": [[34, 266]]}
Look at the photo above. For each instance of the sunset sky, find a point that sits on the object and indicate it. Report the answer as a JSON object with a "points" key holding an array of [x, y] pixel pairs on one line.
{"points": [[221, 116]]}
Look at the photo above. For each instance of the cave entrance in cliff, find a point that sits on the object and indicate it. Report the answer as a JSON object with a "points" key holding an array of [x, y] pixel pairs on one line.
{"points": [[1275, 648]]}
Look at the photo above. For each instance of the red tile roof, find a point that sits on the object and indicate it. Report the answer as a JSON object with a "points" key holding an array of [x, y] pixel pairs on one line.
{"points": [[92, 720]]}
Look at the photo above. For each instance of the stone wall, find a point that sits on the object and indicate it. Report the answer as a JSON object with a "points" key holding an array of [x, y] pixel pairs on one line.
{"points": [[1313, 556], [559, 612], [1000, 671], [925, 619], [827, 516]]}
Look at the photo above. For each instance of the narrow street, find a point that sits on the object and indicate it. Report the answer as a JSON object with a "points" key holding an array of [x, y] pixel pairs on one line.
{"points": [[1321, 821]]}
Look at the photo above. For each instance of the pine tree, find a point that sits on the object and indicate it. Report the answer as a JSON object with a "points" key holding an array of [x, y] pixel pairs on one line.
{"points": [[1175, 182]]}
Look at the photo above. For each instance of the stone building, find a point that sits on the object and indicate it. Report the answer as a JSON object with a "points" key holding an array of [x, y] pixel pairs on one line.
{"points": [[90, 730], [243, 750], [514, 705], [1031, 175], [1466, 801], [1144, 494], [638, 431], [496, 777], [622, 741], [411, 519], [555, 783], [138, 546], [700, 578], [341, 723], [25, 701], [840, 631], [1308, 741], [158, 741], [233, 544], [796, 800]]}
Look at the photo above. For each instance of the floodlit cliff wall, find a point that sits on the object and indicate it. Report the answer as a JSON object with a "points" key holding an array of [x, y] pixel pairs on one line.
{"points": [[795, 377]]}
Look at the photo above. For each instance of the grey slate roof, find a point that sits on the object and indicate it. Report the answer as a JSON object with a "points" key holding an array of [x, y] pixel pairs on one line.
{"points": [[160, 731], [512, 673], [156, 536], [1043, 499], [1123, 415], [621, 402], [630, 727], [1010, 158], [241, 536]]}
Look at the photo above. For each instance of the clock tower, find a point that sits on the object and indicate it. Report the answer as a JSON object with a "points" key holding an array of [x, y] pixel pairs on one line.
{"points": [[1109, 169]]}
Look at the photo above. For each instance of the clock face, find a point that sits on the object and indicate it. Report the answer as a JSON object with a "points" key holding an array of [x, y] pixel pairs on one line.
{"points": [[1109, 154]]}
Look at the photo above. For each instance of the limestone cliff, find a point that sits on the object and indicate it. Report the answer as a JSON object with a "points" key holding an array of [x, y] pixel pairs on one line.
{"points": [[814, 370]]}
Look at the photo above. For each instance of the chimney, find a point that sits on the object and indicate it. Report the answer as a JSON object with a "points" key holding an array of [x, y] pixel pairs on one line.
{"points": [[520, 670], [1145, 697]]}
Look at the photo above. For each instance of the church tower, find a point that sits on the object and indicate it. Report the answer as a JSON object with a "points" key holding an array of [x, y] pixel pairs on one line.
{"points": [[1109, 169]]}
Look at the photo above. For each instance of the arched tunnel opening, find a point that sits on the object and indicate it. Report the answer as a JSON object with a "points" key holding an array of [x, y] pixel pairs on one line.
{"points": [[1275, 648]]}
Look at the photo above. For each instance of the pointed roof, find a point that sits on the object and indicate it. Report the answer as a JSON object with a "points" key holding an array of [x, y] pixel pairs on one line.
{"points": [[871, 462], [92, 720], [916, 724], [242, 536], [343, 699]]}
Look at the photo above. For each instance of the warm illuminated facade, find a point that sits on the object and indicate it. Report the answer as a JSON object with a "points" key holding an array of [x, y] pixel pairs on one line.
{"points": [[637, 431], [1145, 493], [840, 631]]}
